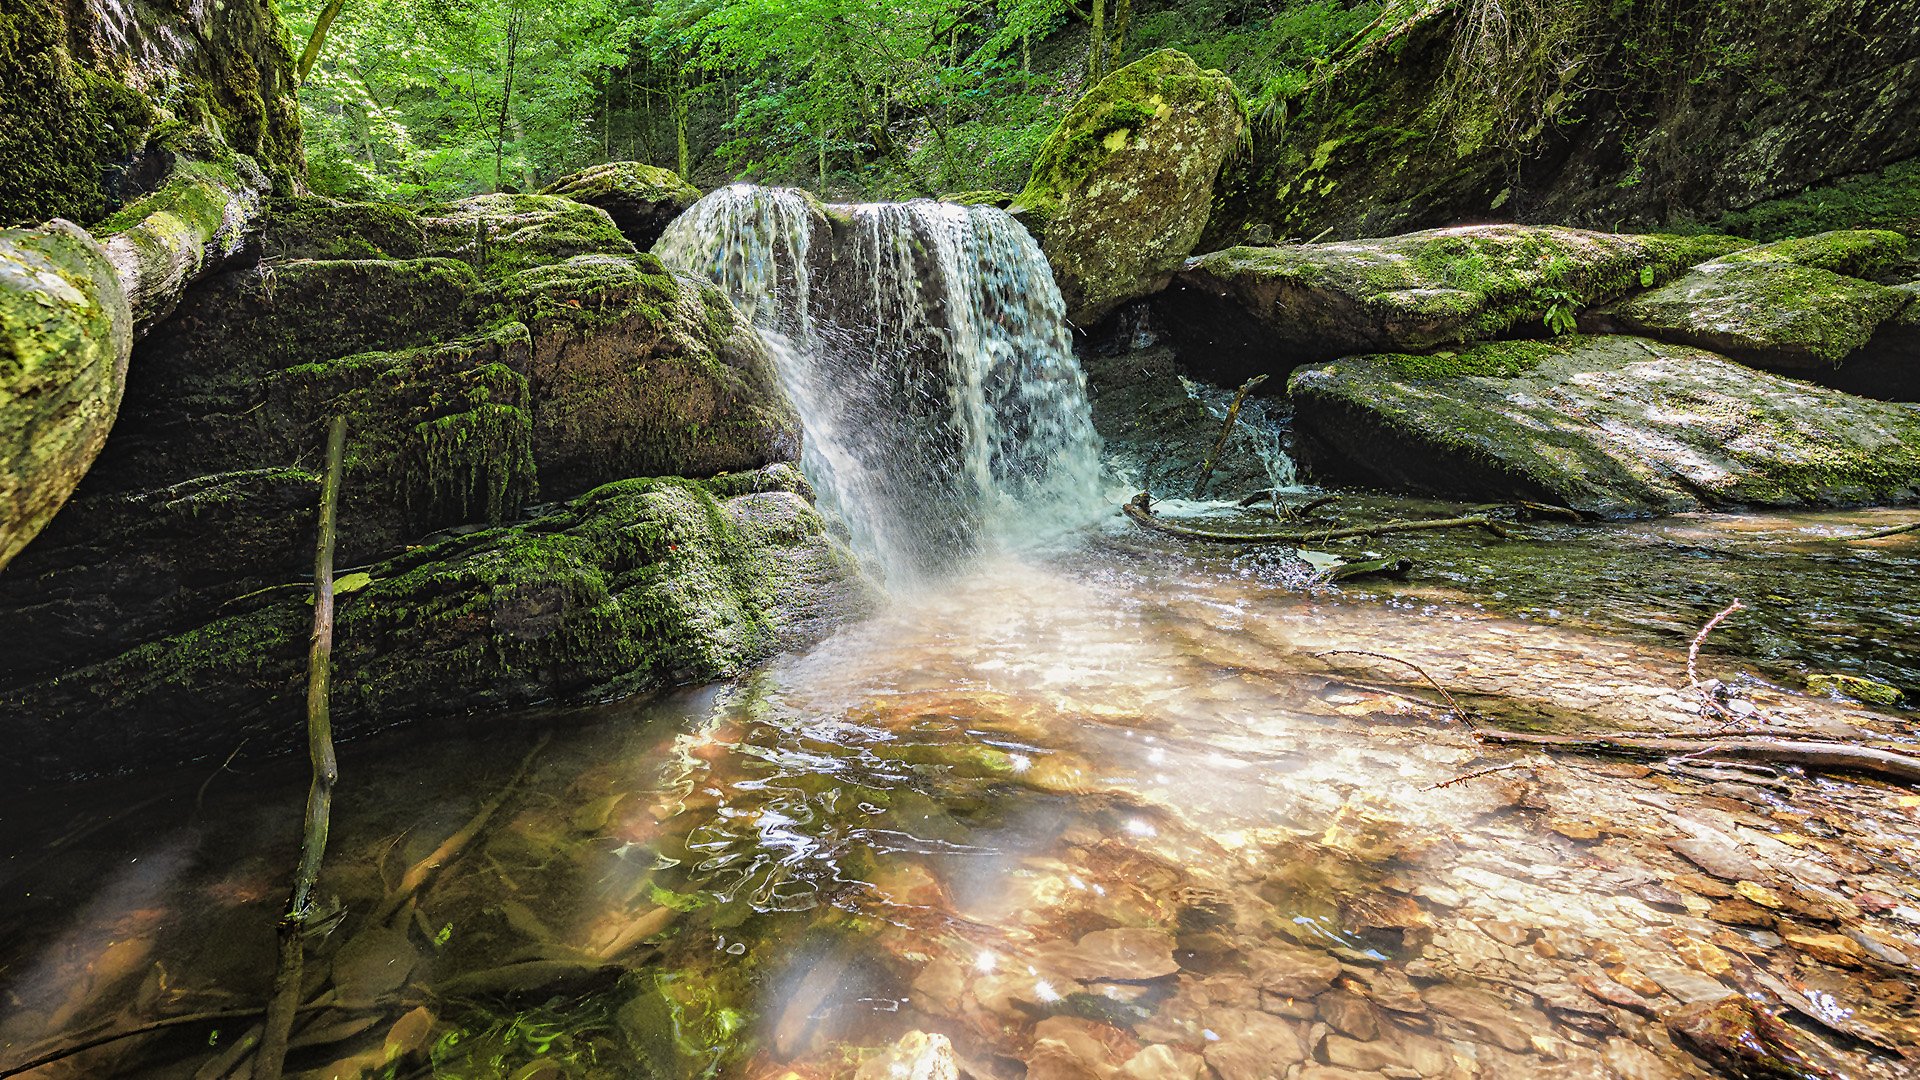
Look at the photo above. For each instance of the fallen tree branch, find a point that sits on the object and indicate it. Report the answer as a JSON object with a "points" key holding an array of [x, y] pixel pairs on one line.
{"points": [[1824, 756], [1226, 429], [1911, 526], [1146, 519]]}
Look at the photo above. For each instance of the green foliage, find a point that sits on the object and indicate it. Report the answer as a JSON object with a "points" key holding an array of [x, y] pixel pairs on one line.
{"points": [[427, 100]]}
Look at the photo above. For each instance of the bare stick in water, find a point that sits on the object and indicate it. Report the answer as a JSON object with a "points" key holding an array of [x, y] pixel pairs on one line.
{"points": [[1144, 517], [326, 770], [1226, 429]]}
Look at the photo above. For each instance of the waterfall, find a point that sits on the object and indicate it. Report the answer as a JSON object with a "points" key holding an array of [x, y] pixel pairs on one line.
{"points": [[925, 346]]}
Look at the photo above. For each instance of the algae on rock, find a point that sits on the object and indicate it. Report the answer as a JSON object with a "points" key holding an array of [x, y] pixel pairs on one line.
{"points": [[1616, 426], [1121, 190], [65, 335], [641, 199], [636, 585], [1247, 310]]}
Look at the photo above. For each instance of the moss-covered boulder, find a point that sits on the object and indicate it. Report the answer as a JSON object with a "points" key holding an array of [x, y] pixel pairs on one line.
{"points": [[1772, 314], [636, 585], [1121, 190], [503, 234], [1247, 310], [1617, 426], [199, 383], [1888, 366], [65, 335], [641, 199], [640, 372], [119, 568], [1861, 253]]}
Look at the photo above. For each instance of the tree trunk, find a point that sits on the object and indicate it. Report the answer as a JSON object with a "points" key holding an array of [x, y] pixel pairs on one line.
{"points": [[1096, 59], [316, 39], [506, 96]]}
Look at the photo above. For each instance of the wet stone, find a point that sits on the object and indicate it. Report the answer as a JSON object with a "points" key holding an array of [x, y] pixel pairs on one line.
{"points": [[1252, 1045], [1123, 954], [1349, 1014], [1292, 972], [916, 1056], [1159, 1062]]}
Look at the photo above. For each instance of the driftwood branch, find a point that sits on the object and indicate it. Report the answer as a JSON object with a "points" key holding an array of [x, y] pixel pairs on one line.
{"points": [[1226, 429], [1823, 756], [1912, 526], [326, 771], [1146, 519]]}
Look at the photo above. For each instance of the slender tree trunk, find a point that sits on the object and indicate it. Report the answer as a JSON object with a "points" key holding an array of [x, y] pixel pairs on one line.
{"points": [[506, 97], [1096, 58], [326, 772], [316, 39], [679, 103]]}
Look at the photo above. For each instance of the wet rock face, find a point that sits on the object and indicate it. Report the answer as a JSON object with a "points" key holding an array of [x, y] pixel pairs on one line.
{"points": [[641, 584], [641, 199], [1121, 190], [472, 386], [1617, 426], [1800, 92], [83, 85], [65, 334], [1249, 310]]}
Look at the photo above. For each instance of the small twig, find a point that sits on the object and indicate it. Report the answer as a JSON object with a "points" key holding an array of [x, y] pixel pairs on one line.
{"points": [[1459, 713], [200, 796], [1807, 753], [1477, 774], [1226, 429], [424, 871], [1706, 695]]}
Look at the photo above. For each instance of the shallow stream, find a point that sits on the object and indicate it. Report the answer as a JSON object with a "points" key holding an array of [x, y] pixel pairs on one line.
{"points": [[1116, 810]]}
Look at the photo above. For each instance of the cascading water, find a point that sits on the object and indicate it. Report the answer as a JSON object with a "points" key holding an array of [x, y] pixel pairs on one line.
{"points": [[926, 348]]}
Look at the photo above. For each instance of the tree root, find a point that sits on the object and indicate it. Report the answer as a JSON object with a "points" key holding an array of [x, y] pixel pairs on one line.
{"points": [[92, 1041], [1821, 756], [1145, 518]]}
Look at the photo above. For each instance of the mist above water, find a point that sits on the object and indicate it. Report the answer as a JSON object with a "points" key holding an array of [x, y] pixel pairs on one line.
{"points": [[925, 346]]}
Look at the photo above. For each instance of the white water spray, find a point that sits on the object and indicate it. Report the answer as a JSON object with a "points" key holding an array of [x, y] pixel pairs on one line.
{"points": [[926, 348]]}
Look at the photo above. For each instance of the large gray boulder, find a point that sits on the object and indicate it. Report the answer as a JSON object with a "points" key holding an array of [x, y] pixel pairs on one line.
{"points": [[1270, 309], [1616, 426], [1122, 188], [1780, 316], [65, 334], [641, 199]]}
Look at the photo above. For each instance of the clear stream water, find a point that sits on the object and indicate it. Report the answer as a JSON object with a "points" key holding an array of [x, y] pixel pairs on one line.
{"points": [[1096, 804]]}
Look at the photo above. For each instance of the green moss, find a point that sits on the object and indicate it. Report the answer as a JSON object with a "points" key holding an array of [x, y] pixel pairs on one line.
{"points": [[1498, 359], [500, 235], [309, 227], [1862, 253], [1887, 199], [1001, 199], [65, 125], [629, 179]]}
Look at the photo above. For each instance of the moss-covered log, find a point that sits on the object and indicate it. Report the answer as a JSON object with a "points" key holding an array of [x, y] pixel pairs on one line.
{"points": [[65, 335]]}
